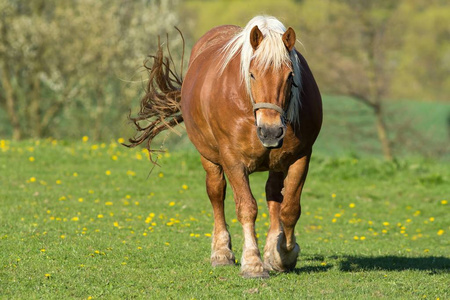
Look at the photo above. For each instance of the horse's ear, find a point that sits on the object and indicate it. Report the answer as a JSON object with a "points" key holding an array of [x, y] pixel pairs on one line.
{"points": [[256, 37], [289, 38]]}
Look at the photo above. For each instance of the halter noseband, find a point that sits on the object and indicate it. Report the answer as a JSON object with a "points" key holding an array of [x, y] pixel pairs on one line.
{"points": [[278, 109]]}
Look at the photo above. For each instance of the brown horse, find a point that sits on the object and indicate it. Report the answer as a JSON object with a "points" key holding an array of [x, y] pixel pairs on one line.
{"points": [[250, 103]]}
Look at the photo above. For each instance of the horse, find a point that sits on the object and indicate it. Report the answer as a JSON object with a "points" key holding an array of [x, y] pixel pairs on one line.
{"points": [[249, 103]]}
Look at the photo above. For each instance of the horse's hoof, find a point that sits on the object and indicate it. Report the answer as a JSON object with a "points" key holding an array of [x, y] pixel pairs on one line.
{"points": [[223, 258], [281, 260], [259, 275], [222, 262]]}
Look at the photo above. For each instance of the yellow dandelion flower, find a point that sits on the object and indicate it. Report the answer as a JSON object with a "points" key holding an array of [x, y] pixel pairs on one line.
{"points": [[426, 250], [431, 219], [356, 237], [100, 216], [58, 181], [121, 140], [172, 203], [440, 232], [351, 205], [108, 203], [108, 172], [167, 243], [192, 234], [114, 157], [362, 238], [75, 174], [74, 219], [80, 199], [161, 175], [334, 220], [208, 234], [333, 195], [43, 250], [31, 158], [444, 202], [184, 187], [32, 179], [386, 223], [47, 275], [116, 224], [63, 236], [323, 263], [85, 138], [94, 147], [417, 213]]}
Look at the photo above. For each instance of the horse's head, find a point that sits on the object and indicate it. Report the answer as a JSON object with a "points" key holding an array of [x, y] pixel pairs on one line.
{"points": [[270, 87]]}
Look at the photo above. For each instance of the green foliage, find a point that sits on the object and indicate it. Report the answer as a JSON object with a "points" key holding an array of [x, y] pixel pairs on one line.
{"points": [[84, 220], [73, 66]]}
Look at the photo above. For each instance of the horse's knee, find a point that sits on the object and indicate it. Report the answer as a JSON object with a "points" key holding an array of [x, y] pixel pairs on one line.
{"points": [[290, 214], [246, 211]]}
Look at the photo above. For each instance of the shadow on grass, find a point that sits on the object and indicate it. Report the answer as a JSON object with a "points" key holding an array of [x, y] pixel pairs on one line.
{"points": [[312, 269], [433, 264]]}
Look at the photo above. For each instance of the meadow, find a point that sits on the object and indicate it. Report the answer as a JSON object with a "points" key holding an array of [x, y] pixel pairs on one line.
{"points": [[92, 220]]}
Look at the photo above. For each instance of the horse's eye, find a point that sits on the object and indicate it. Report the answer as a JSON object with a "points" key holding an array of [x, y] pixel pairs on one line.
{"points": [[291, 75], [252, 76]]}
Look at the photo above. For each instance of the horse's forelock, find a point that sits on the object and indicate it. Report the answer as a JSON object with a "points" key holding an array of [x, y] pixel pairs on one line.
{"points": [[271, 52]]}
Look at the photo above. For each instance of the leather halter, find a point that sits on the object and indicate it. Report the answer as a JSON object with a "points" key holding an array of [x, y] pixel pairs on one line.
{"points": [[278, 109]]}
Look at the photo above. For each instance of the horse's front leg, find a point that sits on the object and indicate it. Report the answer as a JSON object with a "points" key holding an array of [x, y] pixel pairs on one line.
{"points": [[221, 253], [246, 211], [283, 199]]}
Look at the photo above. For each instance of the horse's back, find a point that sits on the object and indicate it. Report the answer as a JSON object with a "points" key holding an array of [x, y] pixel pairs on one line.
{"points": [[215, 38]]}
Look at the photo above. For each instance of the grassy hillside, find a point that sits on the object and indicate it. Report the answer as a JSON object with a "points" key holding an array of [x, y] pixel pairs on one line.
{"points": [[86, 220], [416, 128]]}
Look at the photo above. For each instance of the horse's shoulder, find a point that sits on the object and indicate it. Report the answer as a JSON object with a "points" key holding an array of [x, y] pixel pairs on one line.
{"points": [[214, 38]]}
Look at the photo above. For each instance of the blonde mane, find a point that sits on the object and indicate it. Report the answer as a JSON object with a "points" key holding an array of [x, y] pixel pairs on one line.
{"points": [[271, 52]]}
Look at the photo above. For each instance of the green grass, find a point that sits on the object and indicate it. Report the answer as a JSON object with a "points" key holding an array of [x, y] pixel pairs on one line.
{"points": [[369, 229]]}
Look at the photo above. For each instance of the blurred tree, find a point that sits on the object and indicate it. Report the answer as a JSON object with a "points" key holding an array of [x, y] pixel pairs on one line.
{"points": [[355, 42], [61, 62]]}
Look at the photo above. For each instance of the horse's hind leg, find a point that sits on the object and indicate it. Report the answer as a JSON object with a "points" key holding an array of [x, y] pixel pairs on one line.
{"points": [[281, 250], [221, 253]]}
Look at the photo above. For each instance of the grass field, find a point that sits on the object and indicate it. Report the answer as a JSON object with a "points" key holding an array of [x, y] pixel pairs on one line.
{"points": [[88, 221]]}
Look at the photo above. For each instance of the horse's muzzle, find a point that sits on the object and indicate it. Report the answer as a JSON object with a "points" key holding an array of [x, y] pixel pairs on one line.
{"points": [[271, 136]]}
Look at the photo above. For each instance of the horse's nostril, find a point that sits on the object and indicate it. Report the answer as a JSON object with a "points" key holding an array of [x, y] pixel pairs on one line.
{"points": [[279, 132], [262, 132]]}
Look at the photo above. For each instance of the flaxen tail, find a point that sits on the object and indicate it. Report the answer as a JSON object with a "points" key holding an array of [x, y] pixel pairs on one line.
{"points": [[160, 106]]}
